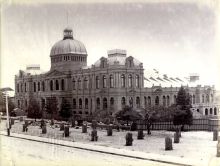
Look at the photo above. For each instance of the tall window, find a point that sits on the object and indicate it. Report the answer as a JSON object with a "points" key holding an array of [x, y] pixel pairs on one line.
{"points": [[111, 81], [51, 85], [215, 111], [62, 84], [131, 102], [111, 102], [97, 82], [207, 98], [38, 86], [149, 101], [122, 80], [98, 103], [104, 82], [138, 102], [105, 105], [43, 86], [203, 99], [17, 87], [74, 84], [193, 99], [80, 103], [157, 100], [130, 80], [168, 101], [57, 85], [86, 103], [21, 87], [35, 87], [174, 99], [164, 101], [74, 103], [25, 87], [212, 98], [123, 101], [79, 86], [206, 111], [211, 111], [86, 85], [137, 81]]}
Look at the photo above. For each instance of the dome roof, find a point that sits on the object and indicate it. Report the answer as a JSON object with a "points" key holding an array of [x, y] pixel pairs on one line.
{"points": [[68, 45]]}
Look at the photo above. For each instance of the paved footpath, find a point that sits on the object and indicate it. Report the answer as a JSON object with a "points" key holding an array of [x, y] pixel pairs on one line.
{"points": [[157, 158]]}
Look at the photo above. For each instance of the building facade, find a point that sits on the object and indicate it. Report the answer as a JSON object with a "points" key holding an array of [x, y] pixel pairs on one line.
{"points": [[107, 85]]}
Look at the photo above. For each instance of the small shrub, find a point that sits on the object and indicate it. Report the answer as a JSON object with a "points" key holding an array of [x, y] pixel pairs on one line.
{"points": [[44, 129], [128, 139], [109, 131], [140, 134], [134, 126], [84, 128], [168, 143], [94, 124], [176, 137], [94, 135], [61, 127], [66, 131], [25, 128]]}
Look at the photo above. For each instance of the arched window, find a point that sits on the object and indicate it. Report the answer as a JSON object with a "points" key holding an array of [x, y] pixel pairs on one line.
{"points": [[174, 99], [164, 101], [104, 81], [190, 97], [97, 82], [86, 103], [130, 80], [193, 99], [138, 102], [74, 103], [105, 105], [74, 84], [57, 85], [86, 85], [215, 111], [168, 101], [34, 86], [122, 80], [79, 86], [80, 103], [62, 84], [38, 86], [111, 81], [131, 102], [25, 87], [207, 98], [123, 101], [157, 100], [98, 103], [43, 86], [212, 98], [137, 81], [145, 101], [111, 102], [206, 111], [210, 111], [51, 85], [203, 99], [17, 87], [21, 87], [149, 101]]}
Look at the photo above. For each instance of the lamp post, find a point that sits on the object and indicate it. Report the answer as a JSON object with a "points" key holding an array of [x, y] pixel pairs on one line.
{"points": [[5, 91]]}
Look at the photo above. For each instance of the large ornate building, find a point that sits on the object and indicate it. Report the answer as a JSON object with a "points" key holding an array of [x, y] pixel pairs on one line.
{"points": [[108, 85]]}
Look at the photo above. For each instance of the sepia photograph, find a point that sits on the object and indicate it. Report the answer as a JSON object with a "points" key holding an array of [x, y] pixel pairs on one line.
{"points": [[110, 83]]}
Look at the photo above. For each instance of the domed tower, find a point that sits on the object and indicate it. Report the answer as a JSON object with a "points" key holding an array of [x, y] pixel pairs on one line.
{"points": [[68, 54]]}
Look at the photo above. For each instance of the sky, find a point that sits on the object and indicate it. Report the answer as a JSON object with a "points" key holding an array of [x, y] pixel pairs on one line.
{"points": [[176, 38]]}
